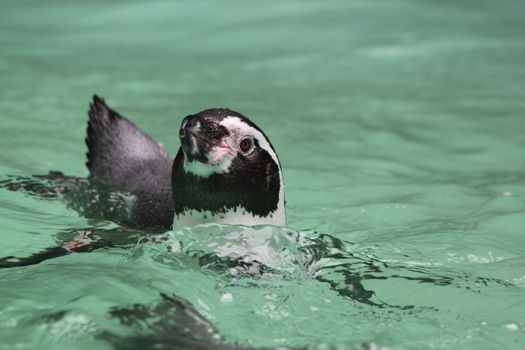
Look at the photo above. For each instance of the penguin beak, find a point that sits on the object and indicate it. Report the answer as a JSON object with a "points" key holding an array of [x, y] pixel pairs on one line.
{"points": [[203, 140]]}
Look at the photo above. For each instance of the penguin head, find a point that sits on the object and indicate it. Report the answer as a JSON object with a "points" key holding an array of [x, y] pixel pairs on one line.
{"points": [[226, 171]]}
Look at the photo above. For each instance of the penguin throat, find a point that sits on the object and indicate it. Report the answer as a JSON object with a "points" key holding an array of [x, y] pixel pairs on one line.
{"points": [[205, 170]]}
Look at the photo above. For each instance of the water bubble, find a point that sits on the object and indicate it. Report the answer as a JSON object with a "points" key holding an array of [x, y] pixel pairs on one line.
{"points": [[271, 296], [227, 298], [512, 327]]}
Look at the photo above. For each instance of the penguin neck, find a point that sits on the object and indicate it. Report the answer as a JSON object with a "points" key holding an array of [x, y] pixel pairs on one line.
{"points": [[223, 198]]}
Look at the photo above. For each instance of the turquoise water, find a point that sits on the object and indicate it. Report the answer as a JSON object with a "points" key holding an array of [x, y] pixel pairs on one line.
{"points": [[400, 128]]}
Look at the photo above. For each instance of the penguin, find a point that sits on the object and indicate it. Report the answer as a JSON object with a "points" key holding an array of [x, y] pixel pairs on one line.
{"points": [[226, 170]]}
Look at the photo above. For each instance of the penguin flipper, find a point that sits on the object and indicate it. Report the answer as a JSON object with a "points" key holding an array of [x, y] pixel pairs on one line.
{"points": [[118, 151], [123, 156]]}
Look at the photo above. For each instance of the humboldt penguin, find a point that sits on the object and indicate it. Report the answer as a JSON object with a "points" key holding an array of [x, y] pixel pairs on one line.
{"points": [[226, 170]]}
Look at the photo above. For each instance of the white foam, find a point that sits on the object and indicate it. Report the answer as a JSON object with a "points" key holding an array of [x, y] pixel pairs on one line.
{"points": [[227, 298]]}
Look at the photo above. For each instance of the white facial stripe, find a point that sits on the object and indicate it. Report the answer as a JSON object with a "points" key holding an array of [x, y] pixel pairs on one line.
{"points": [[235, 124]]}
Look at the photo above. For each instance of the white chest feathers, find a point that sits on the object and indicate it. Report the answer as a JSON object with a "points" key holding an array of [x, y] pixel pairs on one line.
{"points": [[237, 216]]}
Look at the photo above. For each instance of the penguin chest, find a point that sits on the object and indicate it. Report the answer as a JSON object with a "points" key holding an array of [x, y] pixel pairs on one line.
{"points": [[231, 216]]}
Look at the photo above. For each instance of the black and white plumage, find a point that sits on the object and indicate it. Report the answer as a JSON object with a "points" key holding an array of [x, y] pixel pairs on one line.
{"points": [[226, 170]]}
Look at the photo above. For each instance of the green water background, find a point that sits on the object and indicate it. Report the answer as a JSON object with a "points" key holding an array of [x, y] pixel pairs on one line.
{"points": [[399, 124]]}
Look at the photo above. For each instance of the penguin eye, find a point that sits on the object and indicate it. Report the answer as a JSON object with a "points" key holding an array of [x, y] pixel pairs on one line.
{"points": [[246, 144]]}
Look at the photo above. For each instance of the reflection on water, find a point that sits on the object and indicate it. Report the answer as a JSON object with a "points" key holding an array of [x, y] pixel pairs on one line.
{"points": [[244, 262]]}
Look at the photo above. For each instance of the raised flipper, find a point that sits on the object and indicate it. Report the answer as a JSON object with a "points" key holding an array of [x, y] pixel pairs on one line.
{"points": [[122, 156]]}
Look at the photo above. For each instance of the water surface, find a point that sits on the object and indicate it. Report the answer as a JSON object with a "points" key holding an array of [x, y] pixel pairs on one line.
{"points": [[400, 128]]}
